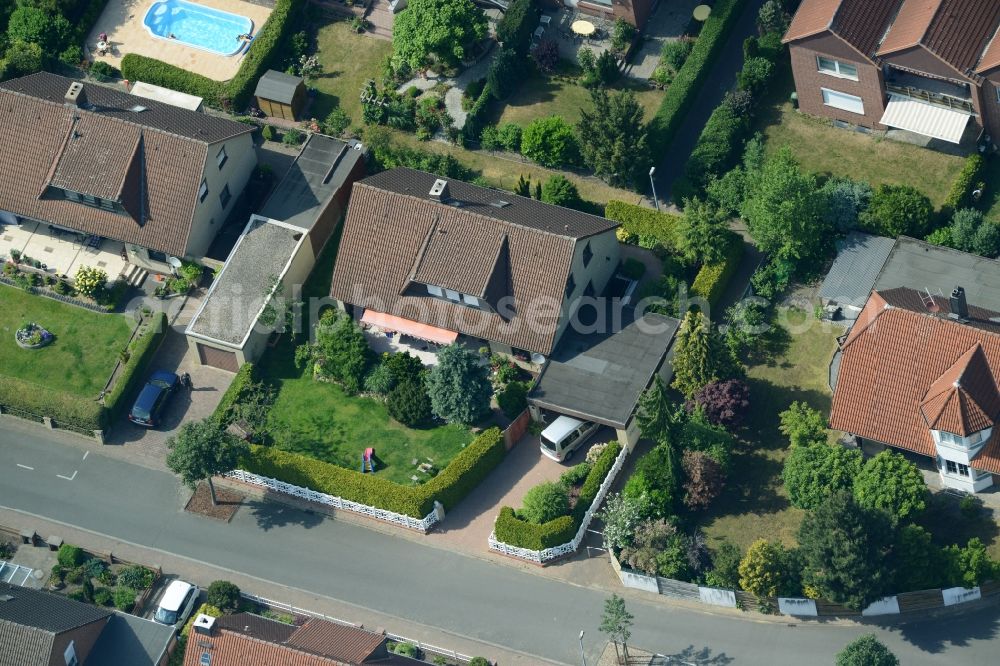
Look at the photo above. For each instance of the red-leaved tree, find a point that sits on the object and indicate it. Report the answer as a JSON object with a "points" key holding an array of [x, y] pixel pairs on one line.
{"points": [[705, 479]]}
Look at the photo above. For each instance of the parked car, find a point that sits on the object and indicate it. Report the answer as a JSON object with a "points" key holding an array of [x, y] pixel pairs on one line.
{"points": [[561, 439], [152, 399], [176, 604]]}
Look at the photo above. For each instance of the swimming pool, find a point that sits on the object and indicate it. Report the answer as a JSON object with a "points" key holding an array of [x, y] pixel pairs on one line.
{"points": [[198, 26]]}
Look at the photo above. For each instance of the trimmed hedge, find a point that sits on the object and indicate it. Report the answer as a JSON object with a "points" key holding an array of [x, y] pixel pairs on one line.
{"points": [[515, 28], [960, 195], [513, 531], [713, 279], [17, 394], [263, 52], [478, 114], [641, 221], [243, 377], [449, 487], [134, 372], [718, 147], [688, 81]]}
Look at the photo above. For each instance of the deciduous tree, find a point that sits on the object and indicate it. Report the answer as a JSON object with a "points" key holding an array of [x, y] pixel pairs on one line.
{"points": [[803, 425], [551, 142], [705, 479], [896, 210], [202, 449], [441, 29], [815, 471], [616, 623], [866, 651], [340, 350], [724, 403], [765, 571], [891, 483], [560, 191]]}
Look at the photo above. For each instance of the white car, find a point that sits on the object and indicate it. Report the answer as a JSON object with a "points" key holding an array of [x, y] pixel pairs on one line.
{"points": [[564, 436], [176, 603]]}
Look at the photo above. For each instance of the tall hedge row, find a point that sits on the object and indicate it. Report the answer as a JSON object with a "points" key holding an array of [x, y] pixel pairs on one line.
{"points": [[261, 55], [687, 84], [134, 373], [85, 413], [515, 28], [712, 279], [514, 531], [244, 376], [960, 195], [641, 221], [449, 487]]}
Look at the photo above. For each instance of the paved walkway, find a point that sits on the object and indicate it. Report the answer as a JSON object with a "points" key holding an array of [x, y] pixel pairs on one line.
{"points": [[456, 86], [422, 584], [719, 81], [666, 24]]}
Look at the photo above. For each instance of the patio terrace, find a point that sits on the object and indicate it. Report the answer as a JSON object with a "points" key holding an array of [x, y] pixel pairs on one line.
{"points": [[62, 252]]}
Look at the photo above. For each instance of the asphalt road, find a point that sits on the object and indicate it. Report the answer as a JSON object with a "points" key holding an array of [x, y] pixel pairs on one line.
{"points": [[401, 577]]}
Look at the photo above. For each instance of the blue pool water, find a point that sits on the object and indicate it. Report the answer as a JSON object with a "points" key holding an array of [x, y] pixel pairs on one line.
{"points": [[198, 26]]}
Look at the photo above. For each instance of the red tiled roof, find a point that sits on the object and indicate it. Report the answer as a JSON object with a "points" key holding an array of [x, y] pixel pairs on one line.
{"points": [[229, 648], [336, 641], [861, 23], [812, 18], [895, 366], [991, 57], [957, 31]]}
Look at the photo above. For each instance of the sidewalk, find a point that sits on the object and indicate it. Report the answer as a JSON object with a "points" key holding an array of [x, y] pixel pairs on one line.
{"points": [[202, 574]]}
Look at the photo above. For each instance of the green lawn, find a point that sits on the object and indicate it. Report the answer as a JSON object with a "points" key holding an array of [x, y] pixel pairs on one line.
{"points": [[822, 148], [349, 60], [991, 194], [320, 420], [81, 357], [754, 504]]}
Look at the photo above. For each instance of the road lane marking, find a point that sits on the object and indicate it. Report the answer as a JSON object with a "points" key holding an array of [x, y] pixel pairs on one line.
{"points": [[86, 453], [68, 478], [25, 467]]}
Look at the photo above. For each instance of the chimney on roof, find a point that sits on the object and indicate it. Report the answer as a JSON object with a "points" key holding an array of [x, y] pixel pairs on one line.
{"points": [[439, 190], [76, 95], [204, 624], [959, 308]]}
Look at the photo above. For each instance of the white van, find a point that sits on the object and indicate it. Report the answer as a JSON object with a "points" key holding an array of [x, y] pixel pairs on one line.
{"points": [[176, 603], [565, 436]]}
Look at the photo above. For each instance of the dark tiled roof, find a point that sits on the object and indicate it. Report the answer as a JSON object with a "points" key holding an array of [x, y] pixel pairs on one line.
{"points": [[117, 104], [957, 31], [336, 641], [895, 355], [36, 143], [256, 626], [861, 23], [44, 610], [277, 86], [96, 156], [130, 640], [388, 230]]}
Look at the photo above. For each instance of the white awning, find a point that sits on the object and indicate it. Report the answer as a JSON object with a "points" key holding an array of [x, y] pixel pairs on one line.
{"points": [[925, 119]]}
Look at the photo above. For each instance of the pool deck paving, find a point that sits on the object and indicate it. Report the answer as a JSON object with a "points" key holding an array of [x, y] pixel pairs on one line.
{"points": [[122, 20]]}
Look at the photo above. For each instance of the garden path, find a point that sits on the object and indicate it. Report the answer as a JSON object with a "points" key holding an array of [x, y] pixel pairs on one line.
{"points": [[456, 86], [667, 23]]}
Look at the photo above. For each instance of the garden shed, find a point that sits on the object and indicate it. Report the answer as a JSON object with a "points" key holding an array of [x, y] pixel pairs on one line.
{"points": [[280, 95]]}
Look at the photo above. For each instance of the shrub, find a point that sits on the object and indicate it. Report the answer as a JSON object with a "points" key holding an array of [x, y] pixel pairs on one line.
{"points": [[380, 380], [513, 399], [479, 661], [674, 52], [224, 595], [267, 132], [638, 221], [846, 200], [622, 34], [546, 55], [717, 149], [103, 596], [137, 67], [515, 28], [405, 649], [409, 404], [504, 74], [292, 137], [94, 567], [70, 557], [76, 575], [866, 650], [133, 374], [765, 572], [489, 138], [705, 479], [336, 122], [477, 116], [690, 77], [340, 351], [575, 475], [459, 386], [606, 68], [450, 486], [551, 142], [712, 279], [658, 549], [103, 71], [560, 191], [724, 403], [136, 576], [756, 74], [633, 269], [813, 472], [725, 567], [90, 280], [124, 598], [545, 502], [509, 135], [78, 595], [897, 210], [960, 194]]}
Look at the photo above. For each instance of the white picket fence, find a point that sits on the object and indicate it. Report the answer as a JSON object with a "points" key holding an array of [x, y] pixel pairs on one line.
{"points": [[421, 524], [549, 554], [295, 610]]}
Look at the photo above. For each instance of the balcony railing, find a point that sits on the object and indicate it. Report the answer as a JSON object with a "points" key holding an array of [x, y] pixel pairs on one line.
{"points": [[931, 98]]}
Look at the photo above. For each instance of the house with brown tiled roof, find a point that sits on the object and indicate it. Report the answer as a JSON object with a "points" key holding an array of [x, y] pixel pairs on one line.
{"points": [[930, 67], [245, 638], [154, 180], [436, 260], [920, 372]]}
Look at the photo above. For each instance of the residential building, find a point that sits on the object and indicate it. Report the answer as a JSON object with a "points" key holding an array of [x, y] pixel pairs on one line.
{"points": [[245, 638], [44, 629], [636, 12], [154, 180], [275, 254], [919, 372], [438, 260], [930, 67]]}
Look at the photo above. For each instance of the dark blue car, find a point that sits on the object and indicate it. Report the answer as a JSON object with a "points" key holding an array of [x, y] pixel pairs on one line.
{"points": [[154, 395]]}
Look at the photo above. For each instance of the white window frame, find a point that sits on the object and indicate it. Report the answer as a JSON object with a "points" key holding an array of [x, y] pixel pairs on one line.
{"points": [[434, 290], [838, 68], [828, 98]]}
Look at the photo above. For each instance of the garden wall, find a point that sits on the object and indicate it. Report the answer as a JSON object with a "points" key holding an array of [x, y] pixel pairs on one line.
{"points": [[906, 602], [515, 431]]}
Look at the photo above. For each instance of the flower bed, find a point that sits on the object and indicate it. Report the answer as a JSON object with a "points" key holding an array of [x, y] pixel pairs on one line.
{"points": [[32, 336]]}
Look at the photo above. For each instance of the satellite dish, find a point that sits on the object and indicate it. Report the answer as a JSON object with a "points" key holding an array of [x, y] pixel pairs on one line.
{"points": [[175, 262]]}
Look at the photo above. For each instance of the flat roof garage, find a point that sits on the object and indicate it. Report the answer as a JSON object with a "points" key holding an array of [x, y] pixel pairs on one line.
{"points": [[599, 376]]}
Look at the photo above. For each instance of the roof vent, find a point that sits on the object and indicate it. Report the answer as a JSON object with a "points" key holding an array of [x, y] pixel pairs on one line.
{"points": [[6, 597], [439, 191], [499, 203], [959, 306], [138, 108], [204, 624], [76, 95]]}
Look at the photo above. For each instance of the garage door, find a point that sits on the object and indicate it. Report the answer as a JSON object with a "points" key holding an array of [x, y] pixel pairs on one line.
{"points": [[217, 358]]}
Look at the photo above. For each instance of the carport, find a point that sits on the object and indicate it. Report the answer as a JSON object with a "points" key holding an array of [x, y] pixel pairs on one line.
{"points": [[599, 375]]}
